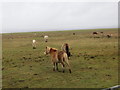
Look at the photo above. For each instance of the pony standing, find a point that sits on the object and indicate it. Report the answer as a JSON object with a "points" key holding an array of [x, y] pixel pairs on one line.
{"points": [[58, 57], [65, 48], [34, 44]]}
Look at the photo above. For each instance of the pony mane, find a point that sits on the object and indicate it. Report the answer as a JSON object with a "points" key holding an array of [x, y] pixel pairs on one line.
{"points": [[54, 48]]}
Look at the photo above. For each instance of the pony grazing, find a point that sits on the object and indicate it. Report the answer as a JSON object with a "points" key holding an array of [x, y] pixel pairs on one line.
{"points": [[34, 44], [95, 33], [58, 57], [65, 48], [46, 38], [109, 35]]}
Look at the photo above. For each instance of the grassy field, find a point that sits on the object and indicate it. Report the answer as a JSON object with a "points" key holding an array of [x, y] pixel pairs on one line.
{"points": [[94, 61]]}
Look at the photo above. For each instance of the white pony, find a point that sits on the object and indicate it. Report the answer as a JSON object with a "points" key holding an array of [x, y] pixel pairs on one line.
{"points": [[46, 38], [34, 44]]}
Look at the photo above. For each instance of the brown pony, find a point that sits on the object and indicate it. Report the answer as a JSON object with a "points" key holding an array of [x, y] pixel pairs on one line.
{"points": [[58, 57]]}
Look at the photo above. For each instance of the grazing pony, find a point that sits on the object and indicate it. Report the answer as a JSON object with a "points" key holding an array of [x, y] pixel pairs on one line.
{"points": [[95, 34], [46, 38], [58, 57], [34, 44], [65, 48], [109, 35], [102, 34], [73, 33]]}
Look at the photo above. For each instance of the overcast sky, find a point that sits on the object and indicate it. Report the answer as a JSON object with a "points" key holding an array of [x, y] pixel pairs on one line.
{"points": [[41, 16]]}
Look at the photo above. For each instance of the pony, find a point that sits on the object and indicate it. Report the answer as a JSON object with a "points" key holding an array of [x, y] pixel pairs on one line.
{"points": [[65, 48], [34, 44], [109, 35], [58, 57], [46, 38]]}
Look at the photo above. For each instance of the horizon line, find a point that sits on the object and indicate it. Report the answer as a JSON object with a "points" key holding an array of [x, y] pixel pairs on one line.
{"points": [[55, 30]]}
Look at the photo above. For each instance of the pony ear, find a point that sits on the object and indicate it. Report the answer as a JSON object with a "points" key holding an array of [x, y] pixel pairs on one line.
{"points": [[47, 47]]}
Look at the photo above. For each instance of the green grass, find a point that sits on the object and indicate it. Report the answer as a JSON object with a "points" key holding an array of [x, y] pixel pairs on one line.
{"points": [[36, 71]]}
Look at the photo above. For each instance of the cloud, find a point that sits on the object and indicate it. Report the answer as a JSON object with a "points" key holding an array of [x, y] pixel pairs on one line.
{"points": [[25, 16]]}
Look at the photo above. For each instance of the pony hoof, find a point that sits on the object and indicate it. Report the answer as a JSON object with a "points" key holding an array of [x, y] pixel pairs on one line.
{"points": [[57, 69], [70, 71], [34, 47], [63, 71], [53, 69]]}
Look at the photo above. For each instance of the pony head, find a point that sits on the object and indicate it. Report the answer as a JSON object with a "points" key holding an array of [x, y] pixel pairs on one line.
{"points": [[47, 50]]}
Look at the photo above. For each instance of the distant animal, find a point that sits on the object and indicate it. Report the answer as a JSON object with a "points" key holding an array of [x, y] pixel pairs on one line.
{"points": [[65, 48], [95, 33], [73, 33], [101, 32], [46, 38], [58, 57], [109, 35], [34, 44]]}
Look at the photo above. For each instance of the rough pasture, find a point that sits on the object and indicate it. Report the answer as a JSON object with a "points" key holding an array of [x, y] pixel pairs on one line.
{"points": [[94, 61]]}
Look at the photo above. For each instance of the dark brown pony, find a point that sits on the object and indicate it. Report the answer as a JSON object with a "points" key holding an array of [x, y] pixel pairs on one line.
{"points": [[95, 33], [65, 48]]}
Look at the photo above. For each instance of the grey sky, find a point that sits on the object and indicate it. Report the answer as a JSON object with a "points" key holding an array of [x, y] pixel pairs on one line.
{"points": [[33, 16]]}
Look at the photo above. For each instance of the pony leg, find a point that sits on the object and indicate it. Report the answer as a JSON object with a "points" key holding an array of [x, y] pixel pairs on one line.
{"points": [[65, 59], [57, 66], [34, 46], [46, 40], [53, 66], [68, 65], [63, 66]]}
